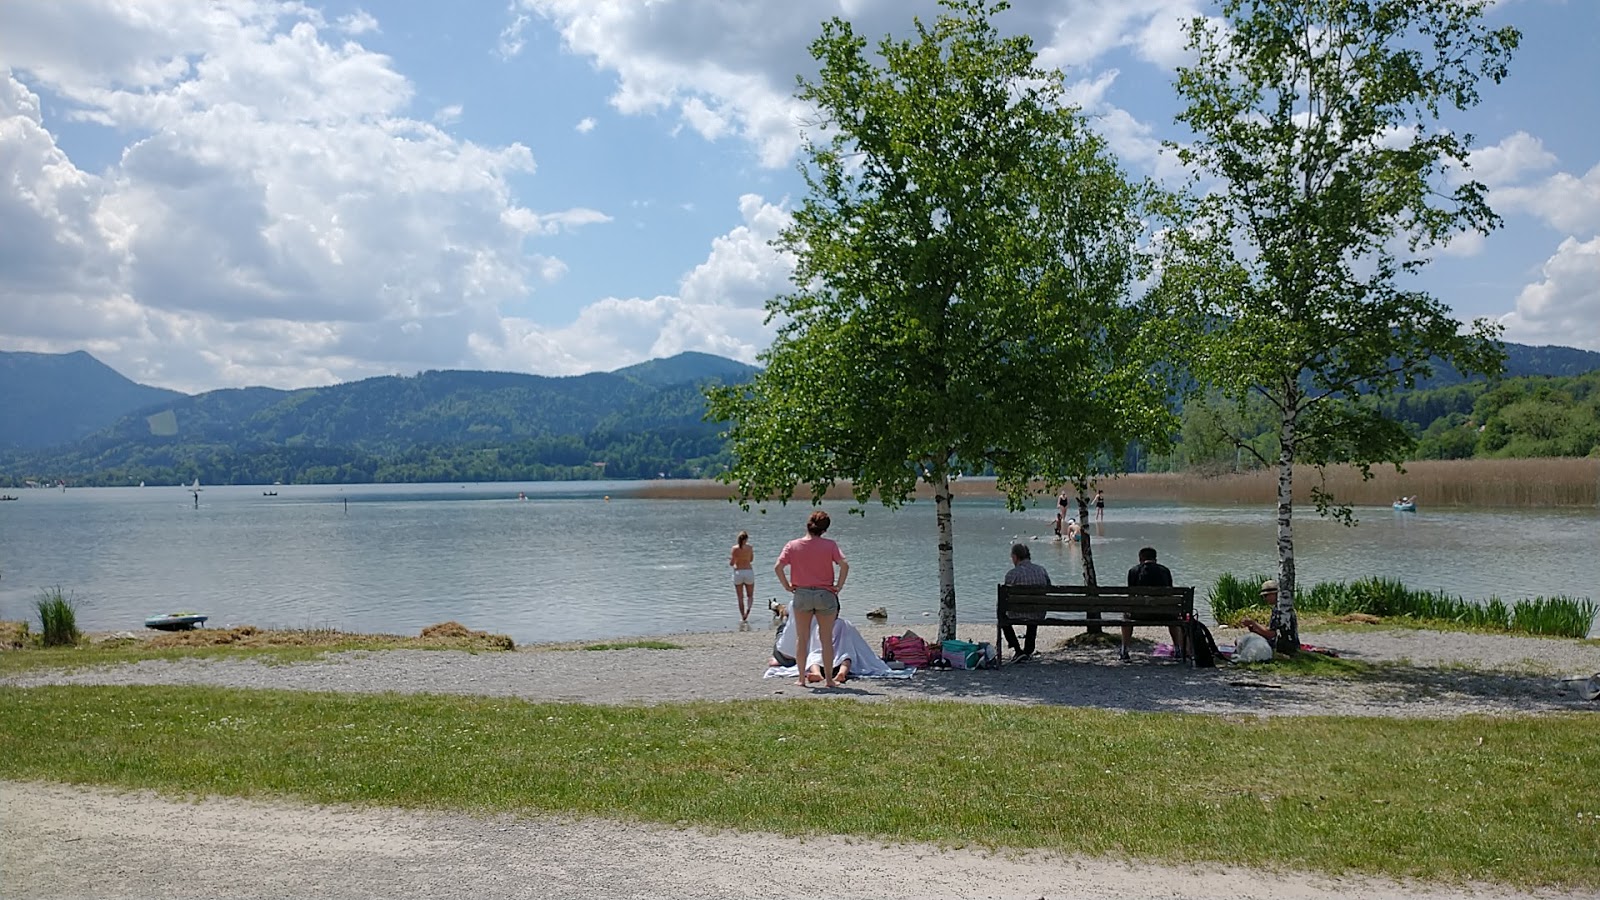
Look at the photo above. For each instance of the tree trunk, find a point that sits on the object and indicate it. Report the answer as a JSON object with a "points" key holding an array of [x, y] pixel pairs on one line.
{"points": [[947, 558], [1286, 439], [1089, 577]]}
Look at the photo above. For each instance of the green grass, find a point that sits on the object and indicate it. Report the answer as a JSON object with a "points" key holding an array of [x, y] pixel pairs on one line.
{"points": [[1233, 598], [1507, 800], [58, 618], [634, 645]]}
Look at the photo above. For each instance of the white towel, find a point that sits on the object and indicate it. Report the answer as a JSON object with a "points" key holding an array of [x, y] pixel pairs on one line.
{"points": [[847, 644]]}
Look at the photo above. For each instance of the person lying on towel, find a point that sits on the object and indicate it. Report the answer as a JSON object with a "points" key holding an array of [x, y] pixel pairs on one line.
{"points": [[852, 654]]}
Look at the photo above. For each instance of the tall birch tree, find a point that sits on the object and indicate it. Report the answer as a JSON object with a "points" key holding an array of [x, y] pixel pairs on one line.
{"points": [[1329, 180], [965, 251]]}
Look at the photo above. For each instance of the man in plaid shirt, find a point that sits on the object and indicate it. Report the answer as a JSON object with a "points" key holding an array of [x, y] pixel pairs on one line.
{"points": [[1024, 572]]}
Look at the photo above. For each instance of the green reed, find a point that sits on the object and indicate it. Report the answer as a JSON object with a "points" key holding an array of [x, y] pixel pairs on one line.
{"points": [[58, 618], [1559, 616]]}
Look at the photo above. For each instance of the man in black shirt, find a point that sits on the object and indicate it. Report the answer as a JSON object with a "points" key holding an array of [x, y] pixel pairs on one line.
{"points": [[1149, 573]]}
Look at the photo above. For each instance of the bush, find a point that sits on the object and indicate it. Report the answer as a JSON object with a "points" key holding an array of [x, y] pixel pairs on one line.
{"points": [[1559, 616], [58, 618], [1232, 595]]}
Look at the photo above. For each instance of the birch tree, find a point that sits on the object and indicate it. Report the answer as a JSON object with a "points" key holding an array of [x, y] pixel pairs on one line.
{"points": [[1329, 180], [965, 250]]}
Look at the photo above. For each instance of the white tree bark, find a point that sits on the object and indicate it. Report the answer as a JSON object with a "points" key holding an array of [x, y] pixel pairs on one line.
{"points": [[1286, 439], [947, 558]]}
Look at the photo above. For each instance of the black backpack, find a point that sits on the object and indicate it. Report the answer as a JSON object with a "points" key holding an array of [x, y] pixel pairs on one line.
{"points": [[1202, 645]]}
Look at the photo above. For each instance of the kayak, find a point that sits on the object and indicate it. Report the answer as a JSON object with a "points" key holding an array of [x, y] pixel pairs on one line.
{"points": [[175, 621]]}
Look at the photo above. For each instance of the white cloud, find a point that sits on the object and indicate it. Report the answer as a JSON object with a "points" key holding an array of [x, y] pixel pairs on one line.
{"points": [[358, 23], [720, 308], [727, 67], [448, 115], [1564, 201], [1564, 307], [585, 125], [1506, 162], [275, 216]]}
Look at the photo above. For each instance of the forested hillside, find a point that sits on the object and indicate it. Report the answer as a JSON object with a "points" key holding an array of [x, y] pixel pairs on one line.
{"points": [[642, 421], [54, 398]]}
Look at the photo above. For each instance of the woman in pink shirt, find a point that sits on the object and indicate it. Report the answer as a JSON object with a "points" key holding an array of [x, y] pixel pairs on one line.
{"points": [[811, 561]]}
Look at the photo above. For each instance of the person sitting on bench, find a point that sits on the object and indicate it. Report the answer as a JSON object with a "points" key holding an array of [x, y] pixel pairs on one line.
{"points": [[1024, 571], [1149, 573]]}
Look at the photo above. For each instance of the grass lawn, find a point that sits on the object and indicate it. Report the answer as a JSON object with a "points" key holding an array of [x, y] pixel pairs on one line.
{"points": [[1509, 800]]}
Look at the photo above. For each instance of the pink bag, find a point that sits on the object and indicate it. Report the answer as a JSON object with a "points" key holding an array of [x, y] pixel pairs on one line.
{"points": [[907, 648]]}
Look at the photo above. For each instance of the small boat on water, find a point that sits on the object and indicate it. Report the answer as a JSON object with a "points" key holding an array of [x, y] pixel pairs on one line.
{"points": [[175, 621], [1405, 506], [269, 493], [7, 497]]}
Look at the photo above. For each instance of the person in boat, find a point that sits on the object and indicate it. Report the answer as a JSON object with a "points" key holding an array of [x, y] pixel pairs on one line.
{"points": [[742, 559], [1282, 630]]}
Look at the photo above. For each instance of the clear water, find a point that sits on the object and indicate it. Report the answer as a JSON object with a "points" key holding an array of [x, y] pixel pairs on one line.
{"points": [[568, 564]]}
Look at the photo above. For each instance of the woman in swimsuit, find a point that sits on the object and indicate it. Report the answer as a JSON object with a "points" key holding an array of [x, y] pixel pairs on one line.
{"points": [[742, 559]]}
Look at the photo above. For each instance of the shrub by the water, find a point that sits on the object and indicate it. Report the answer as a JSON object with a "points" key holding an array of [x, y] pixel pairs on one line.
{"points": [[1559, 616], [1232, 595], [58, 618]]}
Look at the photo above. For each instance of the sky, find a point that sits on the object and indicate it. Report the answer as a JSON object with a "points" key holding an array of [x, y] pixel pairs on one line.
{"points": [[220, 193]]}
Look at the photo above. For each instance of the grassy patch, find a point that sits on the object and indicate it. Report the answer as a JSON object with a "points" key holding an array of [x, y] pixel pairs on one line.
{"points": [[1316, 665], [247, 641], [1232, 599], [634, 645], [1500, 800]]}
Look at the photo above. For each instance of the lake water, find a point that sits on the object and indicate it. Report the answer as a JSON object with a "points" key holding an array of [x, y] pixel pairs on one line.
{"points": [[568, 564]]}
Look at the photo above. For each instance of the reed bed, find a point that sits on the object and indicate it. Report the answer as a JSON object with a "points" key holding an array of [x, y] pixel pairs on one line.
{"points": [[1233, 597], [1549, 482], [58, 618]]}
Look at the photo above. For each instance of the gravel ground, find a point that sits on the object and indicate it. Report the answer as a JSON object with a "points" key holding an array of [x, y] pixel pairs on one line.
{"points": [[66, 843], [1451, 674], [69, 842]]}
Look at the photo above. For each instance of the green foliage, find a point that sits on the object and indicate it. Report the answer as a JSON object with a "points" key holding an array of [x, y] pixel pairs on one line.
{"points": [[963, 255], [1559, 616], [58, 618], [1315, 128], [1231, 596]]}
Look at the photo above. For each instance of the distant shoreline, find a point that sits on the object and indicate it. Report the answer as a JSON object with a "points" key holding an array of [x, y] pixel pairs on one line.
{"points": [[1545, 483]]}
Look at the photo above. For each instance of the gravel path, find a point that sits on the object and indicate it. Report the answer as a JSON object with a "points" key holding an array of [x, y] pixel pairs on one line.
{"points": [[1452, 674], [66, 843], [77, 843]]}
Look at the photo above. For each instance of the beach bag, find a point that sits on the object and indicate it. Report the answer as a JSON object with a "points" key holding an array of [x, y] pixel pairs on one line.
{"points": [[1203, 645], [908, 649], [962, 654]]}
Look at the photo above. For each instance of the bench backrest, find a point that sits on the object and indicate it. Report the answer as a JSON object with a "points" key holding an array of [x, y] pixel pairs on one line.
{"points": [[1139, 602]]}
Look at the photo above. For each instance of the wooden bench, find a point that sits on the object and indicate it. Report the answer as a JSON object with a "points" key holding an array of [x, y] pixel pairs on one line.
{"points": [[1087, 607]]}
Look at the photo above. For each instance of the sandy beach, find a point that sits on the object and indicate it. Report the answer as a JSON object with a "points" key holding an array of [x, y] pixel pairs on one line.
{"points": [[59, 841]]}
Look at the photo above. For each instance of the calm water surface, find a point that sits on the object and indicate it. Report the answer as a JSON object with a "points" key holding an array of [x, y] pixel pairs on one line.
{"points": [[569, 564]]}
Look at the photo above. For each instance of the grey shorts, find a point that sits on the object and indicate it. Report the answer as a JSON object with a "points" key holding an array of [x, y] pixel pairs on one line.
{"points": [[815, 600]]}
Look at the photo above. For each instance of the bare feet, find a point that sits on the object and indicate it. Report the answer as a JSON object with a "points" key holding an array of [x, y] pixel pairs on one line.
{"points": [[830, 683], [814, 674], [803, 681]]}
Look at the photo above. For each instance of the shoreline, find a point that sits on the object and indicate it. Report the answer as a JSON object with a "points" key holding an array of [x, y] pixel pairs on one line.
{"points": [[1404, 674]]}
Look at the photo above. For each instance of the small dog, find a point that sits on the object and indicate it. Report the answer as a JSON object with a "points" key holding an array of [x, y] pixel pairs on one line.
{"points": [[779, 610]]}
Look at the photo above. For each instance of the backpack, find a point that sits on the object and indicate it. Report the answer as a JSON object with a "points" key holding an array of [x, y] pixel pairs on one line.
{"points": [[1202, 645], [906, 648]]}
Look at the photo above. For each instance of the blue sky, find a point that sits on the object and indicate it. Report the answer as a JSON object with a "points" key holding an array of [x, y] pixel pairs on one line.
{"points": [[215, 194]]}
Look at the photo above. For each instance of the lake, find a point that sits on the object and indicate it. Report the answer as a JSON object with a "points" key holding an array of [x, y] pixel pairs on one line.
{"points": [[568, 563]]}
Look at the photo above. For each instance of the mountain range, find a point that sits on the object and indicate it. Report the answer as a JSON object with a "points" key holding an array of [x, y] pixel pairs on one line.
{"points": [[88, 424], [72, 417]]}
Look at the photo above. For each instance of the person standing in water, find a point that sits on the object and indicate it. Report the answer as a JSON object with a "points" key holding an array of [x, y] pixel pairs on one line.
{"points": [[811, 578], [742, 559]]}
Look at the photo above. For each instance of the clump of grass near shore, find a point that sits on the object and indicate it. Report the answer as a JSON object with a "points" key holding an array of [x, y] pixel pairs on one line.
{"points": [[1475, 798], [58, 618], [648, 644], [1233, 598]]}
